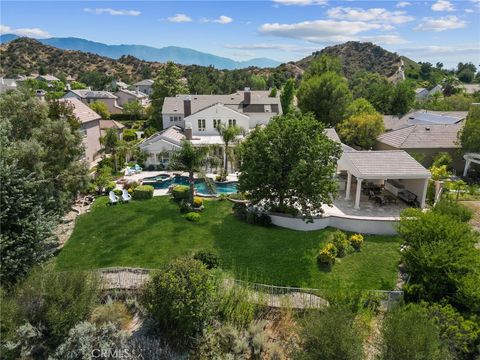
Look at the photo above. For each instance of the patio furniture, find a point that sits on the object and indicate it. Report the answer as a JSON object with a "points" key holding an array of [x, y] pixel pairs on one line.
{"points": [[113, 198], [137, 168], [371, 195], [407, 196], [129, 171], [380, 200], [390, 199], [126, 197]]}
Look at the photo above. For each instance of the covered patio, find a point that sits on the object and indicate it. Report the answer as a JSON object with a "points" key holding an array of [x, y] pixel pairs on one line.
{"points": [[388, 178]]}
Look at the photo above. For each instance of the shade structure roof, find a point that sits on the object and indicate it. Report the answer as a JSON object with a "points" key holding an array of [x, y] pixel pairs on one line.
{"points": [[391, 164]]}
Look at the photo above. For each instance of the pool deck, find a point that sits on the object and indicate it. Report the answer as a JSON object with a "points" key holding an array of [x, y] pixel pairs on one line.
{"points": [[162, 192]]}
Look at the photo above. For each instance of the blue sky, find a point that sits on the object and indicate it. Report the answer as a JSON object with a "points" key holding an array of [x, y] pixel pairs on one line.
{"points": [[284, 30]]}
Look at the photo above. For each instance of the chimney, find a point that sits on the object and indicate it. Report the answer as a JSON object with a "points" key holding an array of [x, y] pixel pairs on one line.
{"points": [[187, 106], [246, 95], [188, 131]]}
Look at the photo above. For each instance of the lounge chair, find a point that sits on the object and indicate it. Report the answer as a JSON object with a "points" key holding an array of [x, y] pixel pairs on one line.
{"points": [[126, 197], [113, 198], [137, 168]]}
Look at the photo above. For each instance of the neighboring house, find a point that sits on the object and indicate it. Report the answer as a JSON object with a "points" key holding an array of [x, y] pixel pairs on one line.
{"points": [[144, 86], [117, 84], [90, 96], [196, 117], [424, 117], [111, 124], [422, 93], [424, 142], [70, 79], [89, 126], [47, 78], [257, 105], [7, 84], [471, 88], [125, 96]]}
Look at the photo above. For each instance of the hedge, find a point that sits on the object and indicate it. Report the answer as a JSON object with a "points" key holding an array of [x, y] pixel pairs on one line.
{"points": [[180, 192], [143, 192]]}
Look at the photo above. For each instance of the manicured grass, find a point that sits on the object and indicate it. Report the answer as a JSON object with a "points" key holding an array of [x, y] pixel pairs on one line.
{"points": [[152, 232]]}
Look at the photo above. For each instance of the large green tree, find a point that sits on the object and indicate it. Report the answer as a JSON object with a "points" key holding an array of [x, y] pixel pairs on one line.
{"points": [[289, 163], [469, 136], [403, 97], [323, 64], [362, 129], [167, 83], [326, 96], [441, 258], [111, 144], [100, 108]]}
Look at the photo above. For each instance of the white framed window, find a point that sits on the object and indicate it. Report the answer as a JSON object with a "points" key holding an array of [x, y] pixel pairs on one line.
{"points": [[201, 124], [232, 122], [171, 118], [216, 123]]}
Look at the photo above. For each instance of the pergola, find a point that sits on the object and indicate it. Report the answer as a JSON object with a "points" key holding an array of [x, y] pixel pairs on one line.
{"points": [[469, 159], [384, 165]]}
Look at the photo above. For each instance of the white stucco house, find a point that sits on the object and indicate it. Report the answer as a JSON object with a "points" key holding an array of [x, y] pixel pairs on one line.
{"points": [[90, 96], [196, 117], [125, 96], [144, 86]]}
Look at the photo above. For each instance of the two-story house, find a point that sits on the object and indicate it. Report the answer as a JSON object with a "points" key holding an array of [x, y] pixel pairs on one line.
{"points": [[125, 96], [90, 96], [144, 86], [196, 117]]}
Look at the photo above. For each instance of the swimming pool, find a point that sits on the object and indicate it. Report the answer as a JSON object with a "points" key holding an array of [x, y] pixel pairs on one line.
{"points": [[164, 181]]}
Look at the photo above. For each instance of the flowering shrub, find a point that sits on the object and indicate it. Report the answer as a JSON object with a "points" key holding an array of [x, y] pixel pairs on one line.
{"points": [[197, 202], [180, 192], [356, 241], [327, 255], [339, 239]]}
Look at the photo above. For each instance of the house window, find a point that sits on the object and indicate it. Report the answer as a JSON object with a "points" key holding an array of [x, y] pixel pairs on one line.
{"points": [[175, 118], [171, 118], [216, 123], [201, 124], [232, 122]]}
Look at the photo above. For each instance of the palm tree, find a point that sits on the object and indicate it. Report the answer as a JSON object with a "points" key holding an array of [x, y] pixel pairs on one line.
{"points": [[229, 135], [190, 159]]}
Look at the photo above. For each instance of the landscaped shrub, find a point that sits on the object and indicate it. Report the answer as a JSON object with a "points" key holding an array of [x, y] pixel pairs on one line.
{"points": [[197, 201], [131, 185], [114, 312], [327, 255], [240, 211], [193, 216], [251, 215], [332, 334], [454, 210], [111, 185], [143, 192], [356, 241], [117, 192], [210, 259], [181, 297], [339, 239], [180, 192], [285, 209]]}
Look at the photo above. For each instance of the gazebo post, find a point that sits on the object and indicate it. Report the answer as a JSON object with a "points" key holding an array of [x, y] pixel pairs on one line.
{"points": [[349, 185], [467, 166], [358, 193], [424, 195]]}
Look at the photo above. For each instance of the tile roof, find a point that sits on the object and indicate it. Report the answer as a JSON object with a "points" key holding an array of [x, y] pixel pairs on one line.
{"points": [[393, 122], [48, 77], [108, 124], [392, 164], [422, 137], [145, 82], [93, 94], [81, 111], [260, 102], [134, 93]]}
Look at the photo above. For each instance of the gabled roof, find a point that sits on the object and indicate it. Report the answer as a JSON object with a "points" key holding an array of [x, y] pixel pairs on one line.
{"points": [[419, 90], [173, 135], [146, 82], [393, 164], [84, 94], [111, 124], [81, 111], [48, 77], [134, 93], [260, 102], [422, 137], [220, 105]]}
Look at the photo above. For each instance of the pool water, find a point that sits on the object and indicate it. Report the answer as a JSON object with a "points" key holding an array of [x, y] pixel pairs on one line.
{"points": [[159, 182]]}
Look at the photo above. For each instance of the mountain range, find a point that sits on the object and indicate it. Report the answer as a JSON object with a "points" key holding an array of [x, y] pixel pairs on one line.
{"points": [[176, 54]]}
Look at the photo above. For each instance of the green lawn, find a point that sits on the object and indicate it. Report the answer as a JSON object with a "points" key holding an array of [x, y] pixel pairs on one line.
{"points": [[150, 233]]}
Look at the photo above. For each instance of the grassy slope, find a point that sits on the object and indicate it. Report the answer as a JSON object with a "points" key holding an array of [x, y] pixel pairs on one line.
{"points": [[150, 233]]}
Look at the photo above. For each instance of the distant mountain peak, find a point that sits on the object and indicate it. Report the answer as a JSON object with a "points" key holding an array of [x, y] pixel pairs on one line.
{"points": [[176, 54]]}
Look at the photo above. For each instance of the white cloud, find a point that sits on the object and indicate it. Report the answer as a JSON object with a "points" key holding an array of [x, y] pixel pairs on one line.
{"points": [[462, 49], [264, 46], [179, 18], [403, 4], [113, 12], [378, 15], [469, 11], [441, 24], [443, 5], [384, 39], [319, 31], [222, 19], [301, 2], [28, 32]]}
